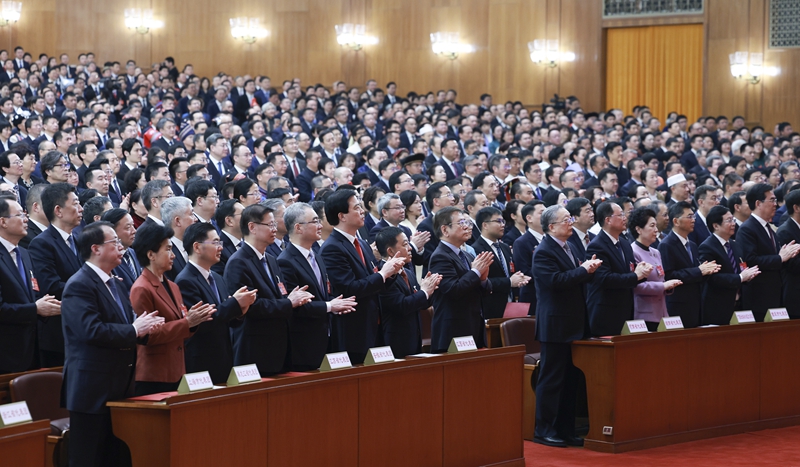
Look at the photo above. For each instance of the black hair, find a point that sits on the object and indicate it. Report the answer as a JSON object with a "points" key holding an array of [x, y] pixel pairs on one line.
{"points": [[150, 237]]}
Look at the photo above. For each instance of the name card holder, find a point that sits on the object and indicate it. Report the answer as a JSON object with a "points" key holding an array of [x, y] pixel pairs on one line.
{"points": [[634, 326], [462, 344], [193, 382], [14, 414], [379, 355], [742, 317], [670, 323], [244, 374], [776, 314], [335, 361]]}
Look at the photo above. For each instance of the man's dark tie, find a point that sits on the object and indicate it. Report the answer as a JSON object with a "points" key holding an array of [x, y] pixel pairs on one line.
{"points": [[295, 169], [502, 258], [405, 278], [71, 241], [772, 238], [116, 187], [357, 244], [569, 253], [113, 287], [689, 251], [621, 253], [463, 257], [131, 264], [315, 268], [20, 267], [219, 168], [731, 258], [213, 285], [266, 268], [539, 192]]}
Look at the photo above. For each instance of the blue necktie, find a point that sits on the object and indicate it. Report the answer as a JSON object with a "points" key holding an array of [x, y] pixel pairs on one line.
{"points": [[689, 252], [731, 258], [266, 268], [621, 253], [20, 267], [71, 241], [213, 285], [114, 293], [463, 257]]}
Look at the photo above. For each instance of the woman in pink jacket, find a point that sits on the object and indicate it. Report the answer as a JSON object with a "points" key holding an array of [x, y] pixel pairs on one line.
{"points": [[648, 296]]}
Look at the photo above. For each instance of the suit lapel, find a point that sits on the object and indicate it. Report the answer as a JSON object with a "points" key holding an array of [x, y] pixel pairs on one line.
{"points": [[62, 245], [209, 293], [12, 267], [351, 249], [298, 258], [260, 267]]}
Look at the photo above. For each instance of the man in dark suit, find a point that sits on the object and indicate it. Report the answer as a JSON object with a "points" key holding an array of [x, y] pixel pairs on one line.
{"points": [[438, 196], [403, 301], [19, 308], [681, 260], [54, 255], [301, 266], [474, 201], [101, 333], [505, 282], [581, 211], [706, 198], [176, 213], [560, 316], [756, 245], [465, 281], [788, 233], [311, 170], [392, 214], [209, 348], [218, 164], [721, 290], [610, 294], [228, 214], [263, 335], [36, 216], [129, 268], [353, 272], [524, 247]]}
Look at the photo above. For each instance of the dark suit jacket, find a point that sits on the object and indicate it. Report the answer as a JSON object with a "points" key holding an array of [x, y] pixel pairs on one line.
{"points": [[791, 269], [242, 105], [754, 247], [124, 272], [494, 304], [18, 316], [449, 172], [303, 183], [719, 291], [53, 265], [523, 260], [576, 246], [457, 303], [228, 249], [161, 360], [610, 294], [100, 344], [214, 172], [400, 308], [417, 258], [163, 144], [262, 337], [685, 300], [309, 324], [700, 232], [355, 332], [210, 348], [33, 232], [561, 303], [427, 226], [177, 264]]}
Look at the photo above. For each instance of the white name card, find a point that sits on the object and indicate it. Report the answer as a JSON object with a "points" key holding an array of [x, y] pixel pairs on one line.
{"points": [[244, 374], [14, 413], [335, 361], [634, 326], [776, 314], [741, 317], [191, 382], [379, 355], [670, 323], [462, 344]]}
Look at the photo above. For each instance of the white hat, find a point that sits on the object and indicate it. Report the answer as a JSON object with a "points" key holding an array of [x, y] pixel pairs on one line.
{"points": [[426, 128], [675, 179]]}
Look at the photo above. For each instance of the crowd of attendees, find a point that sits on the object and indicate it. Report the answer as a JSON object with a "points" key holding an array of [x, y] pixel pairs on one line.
{"points": [[252, 222]]}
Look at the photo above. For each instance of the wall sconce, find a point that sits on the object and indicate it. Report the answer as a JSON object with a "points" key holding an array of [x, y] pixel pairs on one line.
{"points": [[354, 35], [449, 45], [141, 20], [10, 13], [738, 61], [547, 52], [247, 29]]}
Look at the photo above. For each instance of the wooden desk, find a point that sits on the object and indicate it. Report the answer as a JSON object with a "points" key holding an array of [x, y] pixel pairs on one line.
{"points": [[677, 386], [24, 445], [449, 410]]}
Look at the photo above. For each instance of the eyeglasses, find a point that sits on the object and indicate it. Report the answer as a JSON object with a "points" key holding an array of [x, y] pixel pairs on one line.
{"points": [[164, 196], [464, 223], [254, 193], [395, 208], [446, 195], [21, 215], [315, 220], [271, 225], [499, 221], [622, 215], [214, 243], [211, 197], [63, 166], [116, 240], [568, 220]]}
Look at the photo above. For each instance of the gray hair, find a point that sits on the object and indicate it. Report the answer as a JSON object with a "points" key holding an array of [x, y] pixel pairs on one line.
{"points": [[384, 201], [151, 190], [212, 139], [549, 216], [273, 203], [171, 207], [294, 214]]}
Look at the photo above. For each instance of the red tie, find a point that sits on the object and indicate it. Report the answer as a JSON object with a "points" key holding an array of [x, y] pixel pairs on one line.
{"points": [[295, 168], [358, 249], [405, 278]]}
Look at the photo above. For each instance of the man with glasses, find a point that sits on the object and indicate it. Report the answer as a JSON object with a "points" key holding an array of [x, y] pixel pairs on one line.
{"points": [[474, 201], [757, 245], [20, 307], [263, 335], [54, 255], [706, 198], [132, 154], [561, 312], [11, 170], [505, 281], [242, 161], [499, 166], [302, 265], [610, 294], [176, 213], [438, 197], [465, 281], [153, 196], [680, 258], [178, 167], [54, 167]]}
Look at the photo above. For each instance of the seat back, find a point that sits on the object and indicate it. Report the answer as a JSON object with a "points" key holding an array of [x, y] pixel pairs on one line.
{"points": [[520, 331], [425, 322], [42, 393]]}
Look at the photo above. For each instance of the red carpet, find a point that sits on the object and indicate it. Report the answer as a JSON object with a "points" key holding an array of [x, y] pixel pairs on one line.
{"points": [[769, 447]]}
